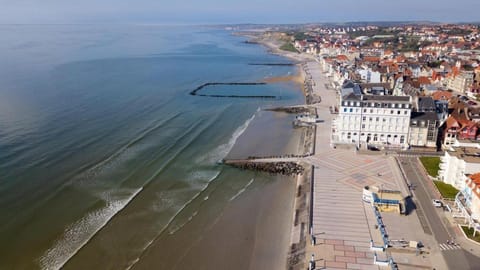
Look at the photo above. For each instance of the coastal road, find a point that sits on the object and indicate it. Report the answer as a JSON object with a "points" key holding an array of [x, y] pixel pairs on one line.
{"points": [[455, 257]]}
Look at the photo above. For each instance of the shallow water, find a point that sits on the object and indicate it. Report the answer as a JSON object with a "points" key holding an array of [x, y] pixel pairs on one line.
{"points": [[101, 145]]}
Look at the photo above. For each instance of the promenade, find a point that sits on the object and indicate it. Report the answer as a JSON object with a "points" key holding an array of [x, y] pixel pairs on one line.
{"points": [[342, 223]]}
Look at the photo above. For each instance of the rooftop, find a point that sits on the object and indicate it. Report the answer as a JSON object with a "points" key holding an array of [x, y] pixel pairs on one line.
{"points": [[385, 98], [468, 154]]}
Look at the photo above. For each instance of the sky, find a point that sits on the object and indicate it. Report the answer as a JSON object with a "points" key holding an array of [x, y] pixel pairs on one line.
{"points": [[238, 11]]}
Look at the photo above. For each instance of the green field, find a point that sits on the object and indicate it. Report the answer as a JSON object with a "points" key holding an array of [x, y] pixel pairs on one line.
{"points": [[431, 164], [287, 46], [447, 191]]}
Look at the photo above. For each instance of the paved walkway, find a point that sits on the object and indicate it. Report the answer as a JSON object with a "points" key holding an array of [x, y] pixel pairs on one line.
{"points": [[342, 223]]}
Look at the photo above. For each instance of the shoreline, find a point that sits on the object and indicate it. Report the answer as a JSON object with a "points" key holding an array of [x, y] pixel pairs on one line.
{"points": [[300, 220]]}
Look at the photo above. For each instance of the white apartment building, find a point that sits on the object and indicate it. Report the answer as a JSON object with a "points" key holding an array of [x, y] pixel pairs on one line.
{"points": [[369, 120], [369, 76], [461, 83], [456, 165]]}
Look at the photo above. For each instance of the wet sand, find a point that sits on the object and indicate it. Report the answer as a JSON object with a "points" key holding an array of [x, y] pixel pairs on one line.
{"points": [[249, 234]]}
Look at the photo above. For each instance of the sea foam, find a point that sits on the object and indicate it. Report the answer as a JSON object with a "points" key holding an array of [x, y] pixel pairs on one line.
{"points": [[222, 150], [79, 233]]}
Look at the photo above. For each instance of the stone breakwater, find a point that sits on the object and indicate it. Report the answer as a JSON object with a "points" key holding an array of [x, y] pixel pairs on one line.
{"points": [[280, 156], [281, 167], [195, 92], [295, 110]]}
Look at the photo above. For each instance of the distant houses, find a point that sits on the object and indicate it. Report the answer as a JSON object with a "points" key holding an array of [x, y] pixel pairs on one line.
{"points": [[407, 86]]}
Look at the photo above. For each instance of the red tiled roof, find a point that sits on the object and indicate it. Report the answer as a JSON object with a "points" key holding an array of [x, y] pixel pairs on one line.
{"points": [[441, 95], [423, 80], [371, 59], [342, 57], [475, 178], [451, 122]]}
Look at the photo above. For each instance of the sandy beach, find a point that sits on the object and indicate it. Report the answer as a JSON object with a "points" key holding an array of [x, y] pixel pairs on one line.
{"points": [[298, 229]]}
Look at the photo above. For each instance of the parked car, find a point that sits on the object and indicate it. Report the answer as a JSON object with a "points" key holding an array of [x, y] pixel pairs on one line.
{"points": [[437, 203]]}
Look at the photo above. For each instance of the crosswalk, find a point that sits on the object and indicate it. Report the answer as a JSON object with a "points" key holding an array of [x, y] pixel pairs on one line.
{"points": [[446, 246]]}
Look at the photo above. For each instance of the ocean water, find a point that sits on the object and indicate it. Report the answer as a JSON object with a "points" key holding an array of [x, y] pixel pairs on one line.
{"points": [[103, 153]]}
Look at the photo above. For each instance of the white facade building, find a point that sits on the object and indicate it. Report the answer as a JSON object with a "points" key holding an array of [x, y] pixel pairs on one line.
{"points": [[461, 83], [370, 76], [457, 164], [381, 121]]}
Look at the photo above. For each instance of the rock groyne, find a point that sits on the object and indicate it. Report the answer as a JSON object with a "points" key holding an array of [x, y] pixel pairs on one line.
{"points": [[295, 110], [281, 167]]}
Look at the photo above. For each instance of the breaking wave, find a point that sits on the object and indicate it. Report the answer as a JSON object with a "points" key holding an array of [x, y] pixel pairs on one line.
{"points": [[222, 150], [79, 233], [242, 190]]}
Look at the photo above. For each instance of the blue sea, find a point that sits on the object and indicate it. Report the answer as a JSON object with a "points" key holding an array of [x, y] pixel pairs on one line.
{"points": [[105, 158]]}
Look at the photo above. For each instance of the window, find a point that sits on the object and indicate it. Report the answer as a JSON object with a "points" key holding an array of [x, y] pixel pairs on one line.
{"points": [[364, 118], [371, 110], [370, 119], [351, 109], [377, 119], [398, 112], [391, 111], [363, 125], [344, 109], [402, 139], [405, 112], [364, 110]]}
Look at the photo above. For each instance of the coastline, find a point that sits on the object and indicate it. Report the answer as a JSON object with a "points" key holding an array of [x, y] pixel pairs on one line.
{"points": [[299, 223]]}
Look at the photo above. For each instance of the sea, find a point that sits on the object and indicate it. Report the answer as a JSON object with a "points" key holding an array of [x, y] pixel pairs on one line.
{"points": [[107, 161]]}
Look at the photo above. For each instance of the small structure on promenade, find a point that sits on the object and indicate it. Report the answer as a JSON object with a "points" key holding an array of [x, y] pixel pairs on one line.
{"points": [[385, 200]]}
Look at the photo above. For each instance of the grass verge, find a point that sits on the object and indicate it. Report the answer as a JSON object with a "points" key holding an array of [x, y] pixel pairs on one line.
{"points": [[431, 164], [447, 191]]}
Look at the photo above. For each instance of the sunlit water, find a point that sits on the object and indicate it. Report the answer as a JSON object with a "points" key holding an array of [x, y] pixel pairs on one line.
{"points": [[101, 144]]}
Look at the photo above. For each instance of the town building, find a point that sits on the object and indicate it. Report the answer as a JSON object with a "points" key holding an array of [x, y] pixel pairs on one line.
{"points": [[461, 83], [457, 163], [468, 201], [424, 123], [371, 120], [458, 126]]}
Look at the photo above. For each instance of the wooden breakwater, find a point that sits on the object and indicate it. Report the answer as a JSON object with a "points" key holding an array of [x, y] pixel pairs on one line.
{"points": [[195, 92], [279, 167]]}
